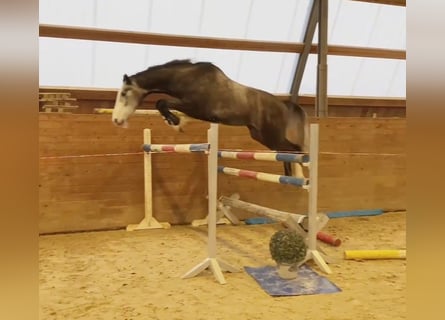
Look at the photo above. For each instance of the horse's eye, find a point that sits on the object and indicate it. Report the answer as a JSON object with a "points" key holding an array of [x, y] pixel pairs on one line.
{"points": [[123, 94]]}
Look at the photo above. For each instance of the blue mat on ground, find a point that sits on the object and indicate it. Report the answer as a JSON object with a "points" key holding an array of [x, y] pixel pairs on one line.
{"points": [[354, 213], [307, 282]]}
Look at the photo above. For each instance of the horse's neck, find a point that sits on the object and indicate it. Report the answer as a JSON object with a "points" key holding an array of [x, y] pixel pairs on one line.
{"points": [[154, 79]]}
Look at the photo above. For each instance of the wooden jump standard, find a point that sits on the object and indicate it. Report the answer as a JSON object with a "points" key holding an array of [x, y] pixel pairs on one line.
{"points": [[216, 265]]}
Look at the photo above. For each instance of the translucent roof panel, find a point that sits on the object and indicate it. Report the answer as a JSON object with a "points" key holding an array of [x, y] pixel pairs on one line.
{"points": [[65, 62], [122, 15], [254, 19], [185, 14], [361, 24], [102, 64], [351, 23], [351, 76], [80, 13]]}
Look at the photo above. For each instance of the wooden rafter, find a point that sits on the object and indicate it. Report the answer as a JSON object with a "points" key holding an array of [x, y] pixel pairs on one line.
{"points": [[401, 3], [96, 34]]}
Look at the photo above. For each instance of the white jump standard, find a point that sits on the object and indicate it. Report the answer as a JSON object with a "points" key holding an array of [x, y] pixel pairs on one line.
{"points": [[315, 221], [212, 262], [312, 252], [217, 266], [149, 222]]}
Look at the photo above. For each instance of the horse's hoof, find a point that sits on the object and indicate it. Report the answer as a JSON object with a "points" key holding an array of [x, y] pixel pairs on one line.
{"points": [[177, 128]]}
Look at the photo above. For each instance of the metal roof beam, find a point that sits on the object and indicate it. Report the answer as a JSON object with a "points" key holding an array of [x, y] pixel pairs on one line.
{"points": [[401, 3], [307, 45], [321, 105]]}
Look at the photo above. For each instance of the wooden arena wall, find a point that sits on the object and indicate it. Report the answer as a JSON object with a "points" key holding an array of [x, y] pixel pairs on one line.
{"points": [[106, 192]]}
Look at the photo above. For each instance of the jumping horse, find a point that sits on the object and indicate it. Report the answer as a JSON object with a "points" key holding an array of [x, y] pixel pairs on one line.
{"points": [[202, 91]]}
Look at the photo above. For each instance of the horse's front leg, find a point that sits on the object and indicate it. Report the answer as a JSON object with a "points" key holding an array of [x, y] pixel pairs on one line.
{"points": [[170, 118]]}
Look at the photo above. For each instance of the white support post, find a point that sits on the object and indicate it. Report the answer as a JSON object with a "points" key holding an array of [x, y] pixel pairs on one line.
{"points": [[223, 214], [216, 265], [212, 171], [313, 196], [149, 222]]}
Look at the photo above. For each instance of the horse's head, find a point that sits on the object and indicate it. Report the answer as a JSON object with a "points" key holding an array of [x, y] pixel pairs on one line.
{"points": [[129, 97]]}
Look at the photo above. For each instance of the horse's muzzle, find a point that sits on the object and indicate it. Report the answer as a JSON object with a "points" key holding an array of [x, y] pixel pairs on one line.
{"points": [[118, 122]]}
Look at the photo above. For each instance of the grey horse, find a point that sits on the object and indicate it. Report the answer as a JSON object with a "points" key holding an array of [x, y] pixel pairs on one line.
{"points": [[202, 91]]}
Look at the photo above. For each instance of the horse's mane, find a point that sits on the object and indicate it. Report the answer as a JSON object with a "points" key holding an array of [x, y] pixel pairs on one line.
{"points": [[178, 62], [172, 63]]}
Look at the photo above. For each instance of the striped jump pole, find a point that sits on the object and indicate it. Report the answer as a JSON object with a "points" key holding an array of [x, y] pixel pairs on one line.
{"points": [[277, 215], [298, 222], [178, 148], [265, 156], [298, 159], [262, 176]]}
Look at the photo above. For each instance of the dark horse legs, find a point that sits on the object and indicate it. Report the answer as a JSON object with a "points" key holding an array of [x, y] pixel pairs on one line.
{"points": [[283, 145], [164, 106]]}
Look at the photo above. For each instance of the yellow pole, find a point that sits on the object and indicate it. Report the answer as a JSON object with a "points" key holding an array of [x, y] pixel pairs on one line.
{"points": [[374, 254]]}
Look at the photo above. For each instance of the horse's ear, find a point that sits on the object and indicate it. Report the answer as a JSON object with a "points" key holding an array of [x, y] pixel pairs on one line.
{"points": [[127, 79]]}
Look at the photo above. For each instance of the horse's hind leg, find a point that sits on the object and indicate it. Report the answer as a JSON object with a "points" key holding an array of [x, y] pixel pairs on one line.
{"points": [[170, 118], [293, 169], [282, 146], [298, 168]]}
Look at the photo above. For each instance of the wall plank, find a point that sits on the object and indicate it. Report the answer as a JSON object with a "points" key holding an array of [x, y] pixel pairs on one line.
{"points": [[339, 106]]}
